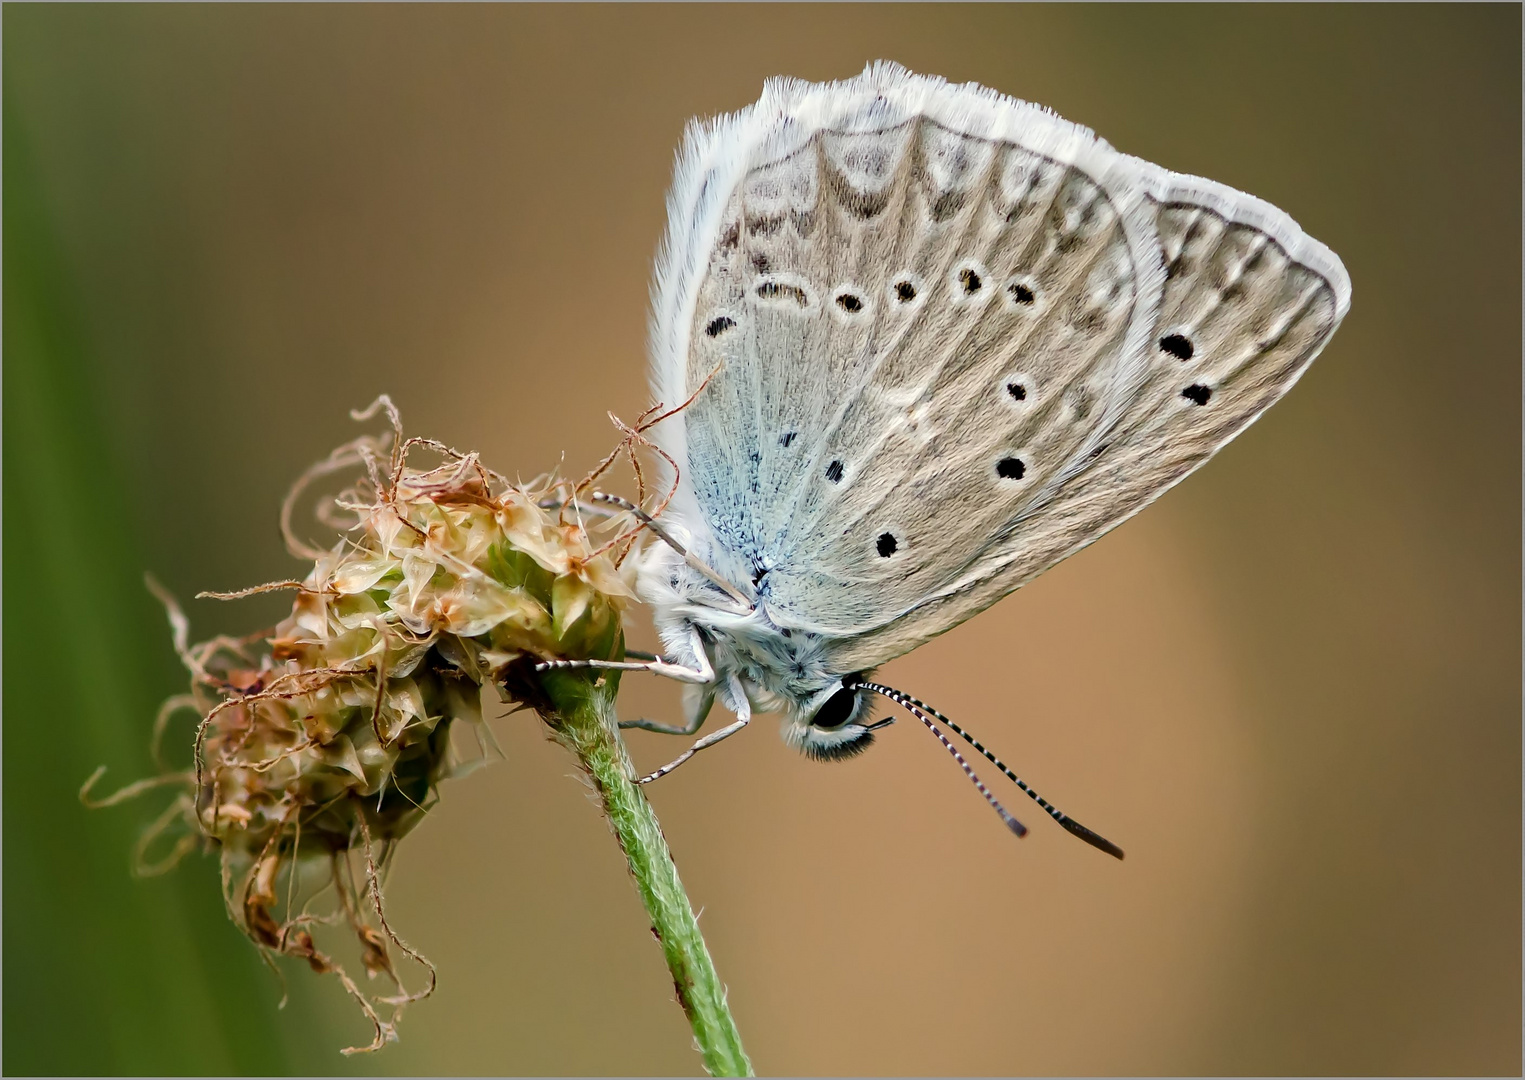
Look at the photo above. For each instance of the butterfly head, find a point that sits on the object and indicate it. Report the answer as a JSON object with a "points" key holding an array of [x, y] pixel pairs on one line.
{"points": [[835, 723]]}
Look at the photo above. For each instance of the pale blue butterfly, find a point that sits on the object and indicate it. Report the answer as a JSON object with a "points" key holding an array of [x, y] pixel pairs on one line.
{"points": [[940, 340]]}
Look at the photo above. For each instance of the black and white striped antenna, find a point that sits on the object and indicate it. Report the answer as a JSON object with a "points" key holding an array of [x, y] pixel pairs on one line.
{"points": [[925, 713]]}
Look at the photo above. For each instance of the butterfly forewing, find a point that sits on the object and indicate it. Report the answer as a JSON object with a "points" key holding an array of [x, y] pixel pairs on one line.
{"points": [[912, 326]]}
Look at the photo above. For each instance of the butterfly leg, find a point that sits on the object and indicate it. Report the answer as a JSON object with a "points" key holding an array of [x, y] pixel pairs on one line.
{"points": [[698, 710], [742, 719], [656, 667], [586, 509], [667, 538], [605, 505], [701, 672]]}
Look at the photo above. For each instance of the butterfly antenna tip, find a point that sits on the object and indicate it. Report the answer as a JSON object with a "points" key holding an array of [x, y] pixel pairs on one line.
{"points": [[925, 713]]}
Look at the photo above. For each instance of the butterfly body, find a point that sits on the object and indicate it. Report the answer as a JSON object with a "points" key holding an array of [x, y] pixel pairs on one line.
{"points": [[932, 341], [757, 663]]}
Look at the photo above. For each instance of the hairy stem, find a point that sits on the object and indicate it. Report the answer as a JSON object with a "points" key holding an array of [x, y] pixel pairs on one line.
{"points": [[584, 721]]}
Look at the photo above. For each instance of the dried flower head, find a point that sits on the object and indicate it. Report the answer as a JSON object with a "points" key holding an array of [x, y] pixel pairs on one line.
{"points": [[322, 741]]}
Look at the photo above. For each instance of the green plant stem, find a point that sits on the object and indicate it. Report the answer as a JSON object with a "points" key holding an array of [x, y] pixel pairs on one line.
{"points": [[584, 721]]}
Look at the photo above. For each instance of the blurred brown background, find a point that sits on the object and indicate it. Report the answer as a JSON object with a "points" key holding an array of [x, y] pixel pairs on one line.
{"points": [[1291, 690]]}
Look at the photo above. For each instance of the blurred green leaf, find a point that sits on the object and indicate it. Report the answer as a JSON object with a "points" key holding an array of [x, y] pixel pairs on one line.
{"points": [[104, 973]]}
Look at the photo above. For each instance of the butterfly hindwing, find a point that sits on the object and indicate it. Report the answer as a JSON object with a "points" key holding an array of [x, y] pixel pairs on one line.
{"points": [[949, 339], [906, 325], [978, 390]]}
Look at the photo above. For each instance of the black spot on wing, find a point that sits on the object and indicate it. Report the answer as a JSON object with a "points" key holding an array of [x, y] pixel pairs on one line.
{"points": [[1178, 346]]}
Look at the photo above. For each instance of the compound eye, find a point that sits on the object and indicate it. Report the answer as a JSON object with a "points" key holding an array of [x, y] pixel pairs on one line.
{"points": [[837, 709]]}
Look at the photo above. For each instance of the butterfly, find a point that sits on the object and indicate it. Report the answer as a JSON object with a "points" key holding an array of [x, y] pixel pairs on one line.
{"points": [[932, 340]]}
